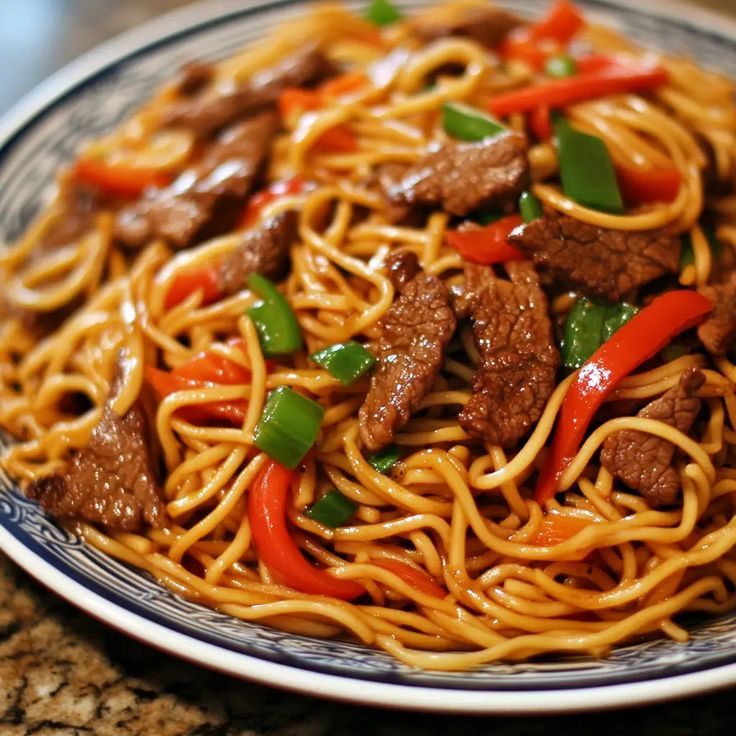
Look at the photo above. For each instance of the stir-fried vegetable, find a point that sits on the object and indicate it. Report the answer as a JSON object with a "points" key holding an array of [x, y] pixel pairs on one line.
{"points": [[640, 186], [556, 527], [561, 66], [383, 460], [411, 576], [529, 207], [202, 278], [288, 426], [276, 549], [588, 325], [645, 334], [274, 191], [275, 321], [118, 180], [382, 13], [586, 169], [333, 509], [557, 93], [346, 361], [486, 245], [468, 123]]}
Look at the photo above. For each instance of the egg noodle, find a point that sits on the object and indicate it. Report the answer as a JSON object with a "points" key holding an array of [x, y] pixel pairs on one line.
{"points": [[459, 511]]}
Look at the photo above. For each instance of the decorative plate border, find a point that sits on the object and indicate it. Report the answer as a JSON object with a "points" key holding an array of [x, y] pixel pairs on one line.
{"points": [[44, 130]]}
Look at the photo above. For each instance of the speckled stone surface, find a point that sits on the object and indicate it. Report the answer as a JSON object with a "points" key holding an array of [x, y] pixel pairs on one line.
{"points": [[64, 674]]}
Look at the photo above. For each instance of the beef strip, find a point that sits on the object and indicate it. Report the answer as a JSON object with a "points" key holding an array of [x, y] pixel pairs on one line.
{"points": [[263, 249], [644, 462], [519, 359], [487, 25], [193, 78], [461, 177], [718, 331], [402, 267], [596, 260], [411, 350], [111, 480], [204, 200], [211, 109]]}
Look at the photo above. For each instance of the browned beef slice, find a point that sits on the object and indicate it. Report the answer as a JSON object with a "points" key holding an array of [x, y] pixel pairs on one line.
{"points": [[718, 331], [263, 249], [212, 109], [411, 349], [204, 200], [111, 480], [402, 267], [461, 177], [513, 334], [596, 260], [194, 77], [487, 25], [644, 462]]}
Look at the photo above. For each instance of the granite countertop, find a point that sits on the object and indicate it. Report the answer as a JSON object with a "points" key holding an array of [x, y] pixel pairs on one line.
{"points": [[63, 673]]}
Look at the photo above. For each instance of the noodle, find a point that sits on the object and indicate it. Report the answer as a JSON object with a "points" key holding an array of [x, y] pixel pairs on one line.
{"points": [[453, 513]]}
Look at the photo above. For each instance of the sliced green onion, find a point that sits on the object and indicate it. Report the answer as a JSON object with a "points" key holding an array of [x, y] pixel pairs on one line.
{"points": [[333, 509], [561, 66], [586, 169], [382, 13], [529, 207], [275, 321], [467, 123], [385, 459], [288, 426], [346, 361], [588, 325]]}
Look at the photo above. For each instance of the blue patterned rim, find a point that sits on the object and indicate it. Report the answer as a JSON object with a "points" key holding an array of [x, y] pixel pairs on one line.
{"points": [[88, 99]]}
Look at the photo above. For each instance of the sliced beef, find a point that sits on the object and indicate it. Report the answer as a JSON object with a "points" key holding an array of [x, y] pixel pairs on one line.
{"points": [[411, 350], [111, 480], [645, 462], [263, 250], [718, 331], [193, 78], [211, 109], [513, 334], [487, 25], [402, 267], [204, 200], [596, 260], [460, 177]]}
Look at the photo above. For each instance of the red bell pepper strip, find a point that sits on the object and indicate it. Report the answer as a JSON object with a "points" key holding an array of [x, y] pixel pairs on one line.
{"points": [[540, 123], [118, 180], [563, 92], [164, 383], [187, 282], [337, 140], [486, 245], [214, 368], [258, 201], [294, 99], [343, 84], [411, 576], [267, 516], [644, 335], [561, 24], [555, 528], [639, 186]]}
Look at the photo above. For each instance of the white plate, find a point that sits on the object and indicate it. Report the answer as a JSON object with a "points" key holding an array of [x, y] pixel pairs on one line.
{"points": [[90, 97]]}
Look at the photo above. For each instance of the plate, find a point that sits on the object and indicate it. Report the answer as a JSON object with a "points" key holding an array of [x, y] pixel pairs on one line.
{"points": [[90, 97]]}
